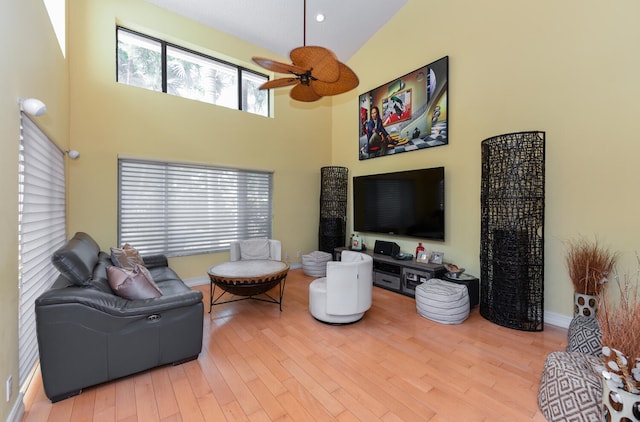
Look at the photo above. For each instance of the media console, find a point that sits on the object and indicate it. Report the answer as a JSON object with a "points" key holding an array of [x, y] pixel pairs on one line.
{"points": [[398, 275]]}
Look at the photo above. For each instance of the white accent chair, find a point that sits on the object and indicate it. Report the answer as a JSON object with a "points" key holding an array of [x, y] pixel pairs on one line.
{"points": [[344, 295], [255, 249]]}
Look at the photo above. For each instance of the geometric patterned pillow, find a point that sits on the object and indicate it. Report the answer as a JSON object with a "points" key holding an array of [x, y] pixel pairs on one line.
{"points": [[585, 336], [571, 388]]}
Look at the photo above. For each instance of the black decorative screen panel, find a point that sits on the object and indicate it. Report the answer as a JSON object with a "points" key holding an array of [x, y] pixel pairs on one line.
{"points": [[333, 208], [512, 235]]}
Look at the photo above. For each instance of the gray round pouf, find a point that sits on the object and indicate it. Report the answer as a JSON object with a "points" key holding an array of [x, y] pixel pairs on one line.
{"points": [[315, 263], [442, 301]]}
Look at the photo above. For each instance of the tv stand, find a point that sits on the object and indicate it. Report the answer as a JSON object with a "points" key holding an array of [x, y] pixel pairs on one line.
{"points": [[398, 275]]}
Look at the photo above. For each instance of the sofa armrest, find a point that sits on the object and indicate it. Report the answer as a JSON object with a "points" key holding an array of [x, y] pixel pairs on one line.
{"points": [[154, 261]]}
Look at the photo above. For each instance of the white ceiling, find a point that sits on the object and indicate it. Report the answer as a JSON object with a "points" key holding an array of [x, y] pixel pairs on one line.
{"points": [[278, 25]]}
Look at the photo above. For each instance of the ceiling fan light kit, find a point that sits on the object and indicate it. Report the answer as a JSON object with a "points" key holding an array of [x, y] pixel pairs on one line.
{"points": [[315, 71]]}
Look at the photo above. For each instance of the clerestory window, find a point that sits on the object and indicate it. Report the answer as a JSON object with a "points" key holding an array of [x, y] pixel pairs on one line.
{"points": [[154, 64]]}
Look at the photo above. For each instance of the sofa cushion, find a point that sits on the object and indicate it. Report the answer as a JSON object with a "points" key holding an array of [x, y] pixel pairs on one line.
{"points": [[126, 256], [255, 249], [76, 259], [136, 283], [99, 279], [162, 274]]}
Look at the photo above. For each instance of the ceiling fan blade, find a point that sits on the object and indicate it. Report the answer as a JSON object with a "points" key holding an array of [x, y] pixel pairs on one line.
{"points": [[323, 62], [304, 93], [347, 81], [279, 83], [278, 67]]}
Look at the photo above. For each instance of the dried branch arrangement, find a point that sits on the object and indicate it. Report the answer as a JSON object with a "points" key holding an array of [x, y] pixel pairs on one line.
{"points": [[589, 264], [620, 323]]}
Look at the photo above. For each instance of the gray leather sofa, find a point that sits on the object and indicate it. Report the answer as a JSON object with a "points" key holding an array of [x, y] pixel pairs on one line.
{"points": [[88, 335]]}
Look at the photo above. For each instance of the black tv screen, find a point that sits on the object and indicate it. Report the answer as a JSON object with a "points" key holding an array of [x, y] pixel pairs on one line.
{"points": [[406, 203]]}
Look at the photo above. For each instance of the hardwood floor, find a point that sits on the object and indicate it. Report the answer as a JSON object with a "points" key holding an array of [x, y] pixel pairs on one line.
{"points": [[260, 364]]}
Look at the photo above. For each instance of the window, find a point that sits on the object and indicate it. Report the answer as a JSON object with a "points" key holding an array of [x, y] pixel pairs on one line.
{"points": [[139, 61], [182, 209], [41, 230], [254, 100], [154, 64], [57, 16]]}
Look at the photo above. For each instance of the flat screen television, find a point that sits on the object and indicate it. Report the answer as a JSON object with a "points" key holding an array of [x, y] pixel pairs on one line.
{"points": [[405, 203]]}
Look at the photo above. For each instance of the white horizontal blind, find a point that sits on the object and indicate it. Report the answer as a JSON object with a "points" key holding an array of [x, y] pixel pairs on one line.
{"points": [[41, 230], [181, 209]]}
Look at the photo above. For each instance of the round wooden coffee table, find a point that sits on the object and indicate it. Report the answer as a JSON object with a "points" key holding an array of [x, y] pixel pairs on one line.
{"points": [[250, 279]]}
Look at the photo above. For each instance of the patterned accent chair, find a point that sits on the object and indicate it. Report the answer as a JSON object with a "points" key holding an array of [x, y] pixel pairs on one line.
{"points": [[571, 383], [571, 388], [585, 336]]}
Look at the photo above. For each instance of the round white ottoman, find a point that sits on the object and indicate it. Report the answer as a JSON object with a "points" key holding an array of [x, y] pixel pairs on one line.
{"points": [[442, 301], [315, 263]]}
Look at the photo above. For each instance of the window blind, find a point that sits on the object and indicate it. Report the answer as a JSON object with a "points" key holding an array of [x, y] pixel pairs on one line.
{"points": [[182, 209], [41, 230]]}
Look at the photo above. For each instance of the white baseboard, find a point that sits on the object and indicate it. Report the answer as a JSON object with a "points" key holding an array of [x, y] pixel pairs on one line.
{"points": [[551, 318], [556, 319], [197, 281], [17, 411]]}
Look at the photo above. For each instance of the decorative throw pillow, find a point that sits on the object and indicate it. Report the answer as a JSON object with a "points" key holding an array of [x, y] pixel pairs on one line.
{"points": [[126, 257], [255, 249], [132, 284]]}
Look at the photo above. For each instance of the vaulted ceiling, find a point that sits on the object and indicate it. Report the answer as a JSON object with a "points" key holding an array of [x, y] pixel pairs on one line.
{"points": [[278, 25]]}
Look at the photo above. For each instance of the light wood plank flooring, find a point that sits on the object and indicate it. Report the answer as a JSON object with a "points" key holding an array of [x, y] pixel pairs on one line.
{"points": [[258, 364]]}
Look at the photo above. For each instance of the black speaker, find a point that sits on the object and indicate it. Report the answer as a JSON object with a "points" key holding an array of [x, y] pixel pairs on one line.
{"points": [[386, 248]]}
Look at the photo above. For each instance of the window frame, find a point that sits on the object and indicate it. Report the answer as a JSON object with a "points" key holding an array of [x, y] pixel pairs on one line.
{"points": [[240, 70], [177, 192]]}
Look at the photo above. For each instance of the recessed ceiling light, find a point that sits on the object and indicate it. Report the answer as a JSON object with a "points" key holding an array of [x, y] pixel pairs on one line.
{"points": [[319, 17]]}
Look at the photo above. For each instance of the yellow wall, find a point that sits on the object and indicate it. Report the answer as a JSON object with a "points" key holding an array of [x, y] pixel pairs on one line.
{"points": [[568, 68], [32, 66], [111, 119]]}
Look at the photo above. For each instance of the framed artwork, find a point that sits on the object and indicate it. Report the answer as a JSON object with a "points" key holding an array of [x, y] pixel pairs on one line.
{"points": [[409, 113], [436, 257], [423, 256], [396, 107]]}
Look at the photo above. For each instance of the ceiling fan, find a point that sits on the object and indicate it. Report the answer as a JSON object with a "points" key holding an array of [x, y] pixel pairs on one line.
{"points": [[315, 72]]}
